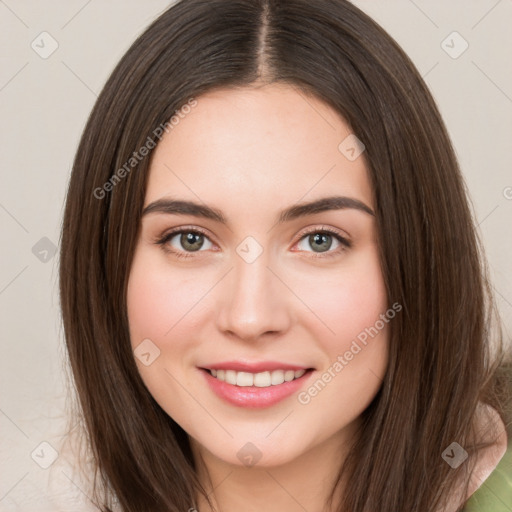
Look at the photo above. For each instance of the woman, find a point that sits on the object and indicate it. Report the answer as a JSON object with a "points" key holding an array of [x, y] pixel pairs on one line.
{"points": [[272, 292]]}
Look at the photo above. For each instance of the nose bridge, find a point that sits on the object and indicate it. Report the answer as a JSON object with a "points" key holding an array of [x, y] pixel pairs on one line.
{"points": [[254, 302]]}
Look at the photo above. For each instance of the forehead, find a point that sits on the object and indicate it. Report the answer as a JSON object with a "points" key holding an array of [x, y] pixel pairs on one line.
{"points": [[257, 147]]}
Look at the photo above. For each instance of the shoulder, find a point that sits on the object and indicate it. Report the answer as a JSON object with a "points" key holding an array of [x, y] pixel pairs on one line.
{"points": [[490, 427]]}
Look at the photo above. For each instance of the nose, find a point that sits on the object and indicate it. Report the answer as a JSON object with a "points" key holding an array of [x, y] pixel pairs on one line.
{"points": [[253, 301]]}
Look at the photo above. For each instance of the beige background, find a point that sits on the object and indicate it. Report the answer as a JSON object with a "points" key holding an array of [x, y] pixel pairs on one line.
{"points": [[44, 105]]}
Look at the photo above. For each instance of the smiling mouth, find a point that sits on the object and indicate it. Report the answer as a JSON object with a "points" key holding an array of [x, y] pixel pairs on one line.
{"points": [[260, 380]]}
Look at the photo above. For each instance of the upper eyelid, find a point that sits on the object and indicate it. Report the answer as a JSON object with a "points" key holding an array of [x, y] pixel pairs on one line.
{"points": [[187, 229]]}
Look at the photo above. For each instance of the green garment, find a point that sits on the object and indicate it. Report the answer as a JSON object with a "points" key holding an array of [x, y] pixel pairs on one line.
{"points": [[495, 494]]}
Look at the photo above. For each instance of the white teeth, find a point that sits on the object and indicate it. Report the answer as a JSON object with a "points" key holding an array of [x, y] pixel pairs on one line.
{"points": [[277, 377], [244, 379], [260, 380], [289, 375], [230, 376]]}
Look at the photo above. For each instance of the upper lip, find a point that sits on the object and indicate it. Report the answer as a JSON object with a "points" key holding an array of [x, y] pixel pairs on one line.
{"points": [[254, 367]]}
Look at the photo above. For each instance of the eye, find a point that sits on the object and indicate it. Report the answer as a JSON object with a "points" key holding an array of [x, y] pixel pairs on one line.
{"points": [[182, 242], [322, 241]]}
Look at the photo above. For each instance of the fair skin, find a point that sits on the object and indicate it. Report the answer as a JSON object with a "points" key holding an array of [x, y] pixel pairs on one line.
{"points": [[251, 153]]}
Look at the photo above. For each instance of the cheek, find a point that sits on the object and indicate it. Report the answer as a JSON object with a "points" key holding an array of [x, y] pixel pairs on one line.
{"points": [[354, 338], [158, 300], [157, 305], [148, 308], [346, 301]]}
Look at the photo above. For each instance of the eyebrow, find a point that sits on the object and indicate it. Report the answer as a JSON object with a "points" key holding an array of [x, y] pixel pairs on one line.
{"points": [[180, 207]]}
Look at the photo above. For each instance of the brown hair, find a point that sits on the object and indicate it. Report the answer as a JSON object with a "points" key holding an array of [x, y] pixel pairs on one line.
{"points": [[446, 354]]}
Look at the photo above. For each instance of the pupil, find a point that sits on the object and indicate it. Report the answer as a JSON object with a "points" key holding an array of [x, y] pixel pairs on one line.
{"points": [[192, 241], [322, 239]]}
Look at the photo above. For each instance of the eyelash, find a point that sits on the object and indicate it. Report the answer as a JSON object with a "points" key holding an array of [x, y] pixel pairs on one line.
{"points": [[345, 244]]}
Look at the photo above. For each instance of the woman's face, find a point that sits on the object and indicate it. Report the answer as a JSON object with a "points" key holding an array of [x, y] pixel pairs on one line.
{"points": [[261, 290]]}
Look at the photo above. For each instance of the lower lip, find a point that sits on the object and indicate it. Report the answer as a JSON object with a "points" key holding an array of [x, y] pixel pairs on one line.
{"points": [[253, 396]]}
